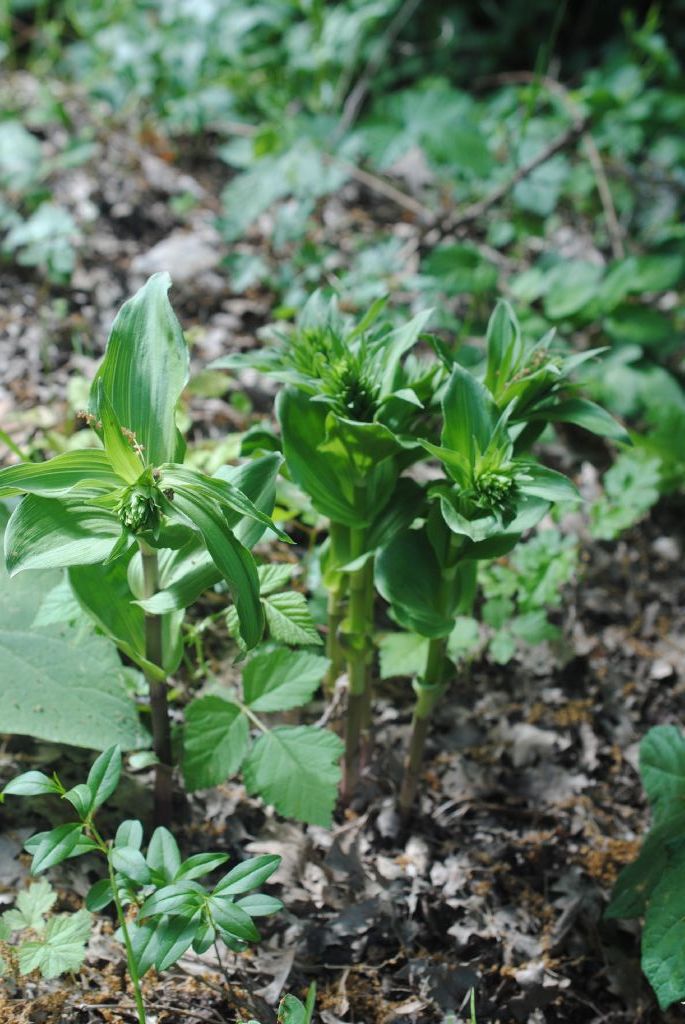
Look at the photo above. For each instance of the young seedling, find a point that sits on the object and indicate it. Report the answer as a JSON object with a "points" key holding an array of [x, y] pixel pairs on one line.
{"points": [[32, 938], [161, 907], [129, 520], [292, 1011], [348, 415], [493, 491]]}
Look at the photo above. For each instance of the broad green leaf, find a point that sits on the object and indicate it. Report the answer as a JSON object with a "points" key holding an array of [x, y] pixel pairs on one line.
{"points": [[663, 937], [104, 592], [225, 494], [215, 741], [324, 477], [637, 881], [200, 864], [47, 533], [235, 562], [248, 875], [362, 445], [30, 784], [584, 414], [161, 943], [178, 898], [129, 833], [504, 347], [259, 905], [289, 619], [144, 371], [131, 864], [297, 770], [163, 854], [402, 654], [61, 683], [56, 477], [282, 679], [99, 896], [662, 768], [190, 571], [61, 949], [470, 415], [409, 577], [32, 905], [396, 344], [103, 777], [81, 799], [125, 462], [55, 846], [573, 285], [231, 920], [541, 482]]}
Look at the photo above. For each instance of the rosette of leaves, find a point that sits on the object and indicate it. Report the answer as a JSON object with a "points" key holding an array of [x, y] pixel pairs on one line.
{"points": [[162, 907], [124, 516], [492, 493], [354, 403]]}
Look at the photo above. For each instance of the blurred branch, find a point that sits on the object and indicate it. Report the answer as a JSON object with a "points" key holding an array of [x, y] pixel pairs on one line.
{"points": [[591, 150]]}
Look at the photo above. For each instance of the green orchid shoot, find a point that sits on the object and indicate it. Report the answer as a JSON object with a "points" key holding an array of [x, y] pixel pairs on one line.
{"points": [[492, 493], [350, 417], [129, 520]]}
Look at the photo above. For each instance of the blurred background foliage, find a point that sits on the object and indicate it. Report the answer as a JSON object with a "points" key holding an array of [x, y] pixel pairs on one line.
{"points": [[443, 154]]}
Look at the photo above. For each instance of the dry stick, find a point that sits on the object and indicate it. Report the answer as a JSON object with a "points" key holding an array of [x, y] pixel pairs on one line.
{"points": [[159, 709], [476, 210], [357, 95], [593, 154]]}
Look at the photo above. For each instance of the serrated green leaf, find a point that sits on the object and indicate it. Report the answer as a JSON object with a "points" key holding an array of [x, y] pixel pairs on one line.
{"points": [[274, 576], [144, 370], [296, 768], [215, 740], [61, 949], [281, 679], [402, 654], [289, 620], [31, 906], [662, 768], [663, 937]]}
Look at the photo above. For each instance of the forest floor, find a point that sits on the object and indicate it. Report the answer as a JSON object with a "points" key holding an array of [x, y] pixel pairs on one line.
{"points": [[531, 802]]}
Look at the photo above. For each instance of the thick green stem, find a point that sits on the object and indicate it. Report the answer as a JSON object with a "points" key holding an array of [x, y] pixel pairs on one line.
{"points": [[334, 650], [428, 692], [358, 639], [336, 605], [159, 708], [429, 689]]}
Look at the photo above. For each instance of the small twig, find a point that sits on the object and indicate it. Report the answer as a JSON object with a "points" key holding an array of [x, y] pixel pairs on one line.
{"points": [[593, 154], [476, 210], [384, 188]]}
